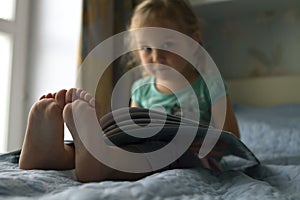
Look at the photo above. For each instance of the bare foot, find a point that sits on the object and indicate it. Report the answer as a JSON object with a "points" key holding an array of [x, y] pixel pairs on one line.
{"points": [[43, 146], [82, 112], [87, 168]]}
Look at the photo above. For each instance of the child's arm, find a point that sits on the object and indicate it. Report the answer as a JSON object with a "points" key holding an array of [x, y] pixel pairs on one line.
{"points": [[230, 123], [133, 104]]}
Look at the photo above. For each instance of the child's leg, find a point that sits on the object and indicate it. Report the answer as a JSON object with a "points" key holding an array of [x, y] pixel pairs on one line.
{"points": [[43, 146], [87, 167]]}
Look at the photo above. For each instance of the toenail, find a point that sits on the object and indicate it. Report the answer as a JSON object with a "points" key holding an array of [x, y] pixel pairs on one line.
{"points": [[92, 102], [82, 94], [78, 92]]}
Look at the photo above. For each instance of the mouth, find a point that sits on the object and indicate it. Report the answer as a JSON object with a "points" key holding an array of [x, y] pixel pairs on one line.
{"points": [[157, 69], [162, 69]]}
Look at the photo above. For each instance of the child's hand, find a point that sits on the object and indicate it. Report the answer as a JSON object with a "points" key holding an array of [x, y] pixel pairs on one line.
{"points": [[211, 163], [217, 152]]}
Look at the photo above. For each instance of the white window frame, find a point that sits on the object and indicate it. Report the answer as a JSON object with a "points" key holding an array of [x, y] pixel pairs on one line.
{"points": [[18, 29]]}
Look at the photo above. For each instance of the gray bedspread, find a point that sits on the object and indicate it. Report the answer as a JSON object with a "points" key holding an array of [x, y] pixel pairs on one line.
{"points": [[274, 138]]}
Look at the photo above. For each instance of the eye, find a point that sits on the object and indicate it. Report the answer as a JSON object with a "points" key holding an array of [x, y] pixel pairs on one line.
{"points": [[146, 49], [167, 45]]}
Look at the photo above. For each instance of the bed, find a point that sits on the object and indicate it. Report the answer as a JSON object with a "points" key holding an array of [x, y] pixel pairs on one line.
{"points": [[270, 129]]}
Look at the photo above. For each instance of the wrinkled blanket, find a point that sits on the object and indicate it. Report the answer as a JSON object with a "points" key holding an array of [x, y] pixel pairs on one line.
{"points": [[276, 142]]}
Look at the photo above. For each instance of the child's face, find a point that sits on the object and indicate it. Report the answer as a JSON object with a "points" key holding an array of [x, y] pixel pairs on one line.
{"points": [[157, 50]]}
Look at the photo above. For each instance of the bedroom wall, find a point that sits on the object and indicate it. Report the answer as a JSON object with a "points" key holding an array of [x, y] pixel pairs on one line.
{"points": [[265, 91], [256, 46], [249, 41]]}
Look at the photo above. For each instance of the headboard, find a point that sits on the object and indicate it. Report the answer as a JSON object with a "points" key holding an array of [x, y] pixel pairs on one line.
{"points": [[265, 91]]}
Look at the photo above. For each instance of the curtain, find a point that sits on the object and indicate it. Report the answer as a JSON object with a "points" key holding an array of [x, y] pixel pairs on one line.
{"points": [[101, 19]]}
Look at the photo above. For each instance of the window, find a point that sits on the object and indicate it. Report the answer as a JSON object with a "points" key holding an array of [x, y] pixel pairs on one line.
{"points": [[7, 15], [5, 63], [7, 9], [13, 33], [52, 41]]}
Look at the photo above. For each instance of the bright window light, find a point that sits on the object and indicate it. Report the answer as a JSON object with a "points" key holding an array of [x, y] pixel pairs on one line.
{"points": [[7, 9], [5, 66]]}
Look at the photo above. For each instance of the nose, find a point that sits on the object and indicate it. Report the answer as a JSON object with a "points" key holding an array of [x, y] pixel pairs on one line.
{"points": [[158, 56]]}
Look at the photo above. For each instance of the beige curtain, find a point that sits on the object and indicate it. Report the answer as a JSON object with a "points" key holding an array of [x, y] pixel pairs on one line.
{"points": [[101, 19]]}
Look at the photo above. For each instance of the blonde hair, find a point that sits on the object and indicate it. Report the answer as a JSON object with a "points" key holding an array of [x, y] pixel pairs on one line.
{"points": [[177, 11], [148, 12]]}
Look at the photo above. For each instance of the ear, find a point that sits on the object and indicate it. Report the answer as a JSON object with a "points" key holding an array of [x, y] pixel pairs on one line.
{"points": [[198, 37]]}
